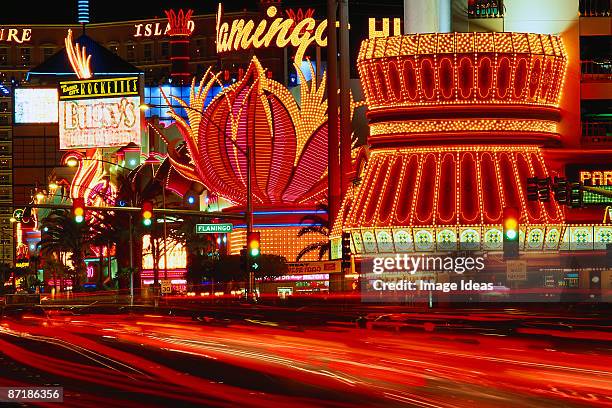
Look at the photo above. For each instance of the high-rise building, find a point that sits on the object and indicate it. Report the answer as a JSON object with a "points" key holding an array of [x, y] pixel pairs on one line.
{"points": [[6, 192]]}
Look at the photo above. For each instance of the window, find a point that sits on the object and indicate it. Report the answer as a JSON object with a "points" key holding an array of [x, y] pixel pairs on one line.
{"points": [[148, 52], [131, 52], [5, 179], [5, 135], [25, 56], [5, 164], [165, 50], [4, 56], [5, 193], [48, 52], [5, 149], [4, 107], [199, 50], [114, 48]]}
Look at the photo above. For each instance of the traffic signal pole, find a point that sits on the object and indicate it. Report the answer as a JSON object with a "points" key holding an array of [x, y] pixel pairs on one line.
{"points": [[169, 211], [131, 263], [249, 218]]}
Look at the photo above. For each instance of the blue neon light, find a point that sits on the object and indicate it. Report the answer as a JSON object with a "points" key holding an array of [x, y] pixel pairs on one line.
{"points": [[83, 11], [278, 225]]}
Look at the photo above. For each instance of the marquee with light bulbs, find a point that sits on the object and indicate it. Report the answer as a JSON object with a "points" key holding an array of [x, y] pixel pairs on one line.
{"points": [[456, 125]]}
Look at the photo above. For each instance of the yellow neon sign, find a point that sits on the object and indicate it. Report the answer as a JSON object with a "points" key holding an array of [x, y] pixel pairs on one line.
{"points": [[99, 88], [17, 35], [78, 57], [597, 178], [385, 31], [243, 35]]}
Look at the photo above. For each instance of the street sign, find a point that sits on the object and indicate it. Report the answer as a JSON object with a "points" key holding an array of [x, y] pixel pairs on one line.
{"points": [[516, 270], [214, 228], [166, 286]]}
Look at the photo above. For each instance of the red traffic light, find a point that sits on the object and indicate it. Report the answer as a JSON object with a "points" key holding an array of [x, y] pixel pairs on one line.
{"points": [[78, 209]]}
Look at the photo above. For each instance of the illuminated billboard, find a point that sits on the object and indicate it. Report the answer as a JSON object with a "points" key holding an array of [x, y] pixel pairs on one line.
{"points": [[101, 122], [36, 105], [98, 88]]}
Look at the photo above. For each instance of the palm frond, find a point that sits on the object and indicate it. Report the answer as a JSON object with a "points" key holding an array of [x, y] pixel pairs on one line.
{"points": [[315, 246], [314, 229]]}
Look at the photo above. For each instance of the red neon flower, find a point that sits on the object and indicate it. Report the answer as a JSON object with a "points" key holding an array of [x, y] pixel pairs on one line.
{"points": [[288, 142]]}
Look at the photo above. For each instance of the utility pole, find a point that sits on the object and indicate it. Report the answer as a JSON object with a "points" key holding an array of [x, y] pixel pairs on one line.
{"points": [[345, 100], [332, 113], [131, 264], [249, 218]]}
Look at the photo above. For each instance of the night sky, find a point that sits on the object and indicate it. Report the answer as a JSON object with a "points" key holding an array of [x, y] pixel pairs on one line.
{"points": [[64, 11]]}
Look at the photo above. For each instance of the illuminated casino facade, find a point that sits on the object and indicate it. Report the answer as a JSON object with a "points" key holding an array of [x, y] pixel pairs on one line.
{"points": [[456, 123], [289, 143]]}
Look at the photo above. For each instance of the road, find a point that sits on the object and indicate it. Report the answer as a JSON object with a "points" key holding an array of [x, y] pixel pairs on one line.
{"points": [[134, 360]]}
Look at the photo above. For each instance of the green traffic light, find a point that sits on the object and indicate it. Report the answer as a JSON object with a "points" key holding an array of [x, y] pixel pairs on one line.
{"points": [[147, 222], [254, 251], [511, 234], [79, 219]]}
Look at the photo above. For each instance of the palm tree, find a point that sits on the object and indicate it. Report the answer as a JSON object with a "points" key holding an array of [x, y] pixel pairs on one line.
{"points": [[319, 225], [64, 235]]}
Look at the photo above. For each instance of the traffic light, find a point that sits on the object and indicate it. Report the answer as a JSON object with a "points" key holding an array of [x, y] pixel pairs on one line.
{"points": [[346, 250], [147, 213], [575, 195], [560, 190], [544, 189], [532, 189], [511, 233], [78, 209], [253, 250]]}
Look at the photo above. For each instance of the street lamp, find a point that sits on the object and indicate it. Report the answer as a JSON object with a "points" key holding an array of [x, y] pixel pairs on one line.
{"points": [[248, 155]]}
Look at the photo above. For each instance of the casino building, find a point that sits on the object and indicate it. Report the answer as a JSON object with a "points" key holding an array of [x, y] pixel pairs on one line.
{"points": [[474, 98], [29, 151]]}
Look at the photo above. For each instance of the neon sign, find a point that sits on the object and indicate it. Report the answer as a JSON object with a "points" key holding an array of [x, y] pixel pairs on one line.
{"points": [[373, 32], [79, 60], [90, 271], [597, 178], [156, 30], [104, 122], [98, 88], [18, 35], [242, 35]]}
